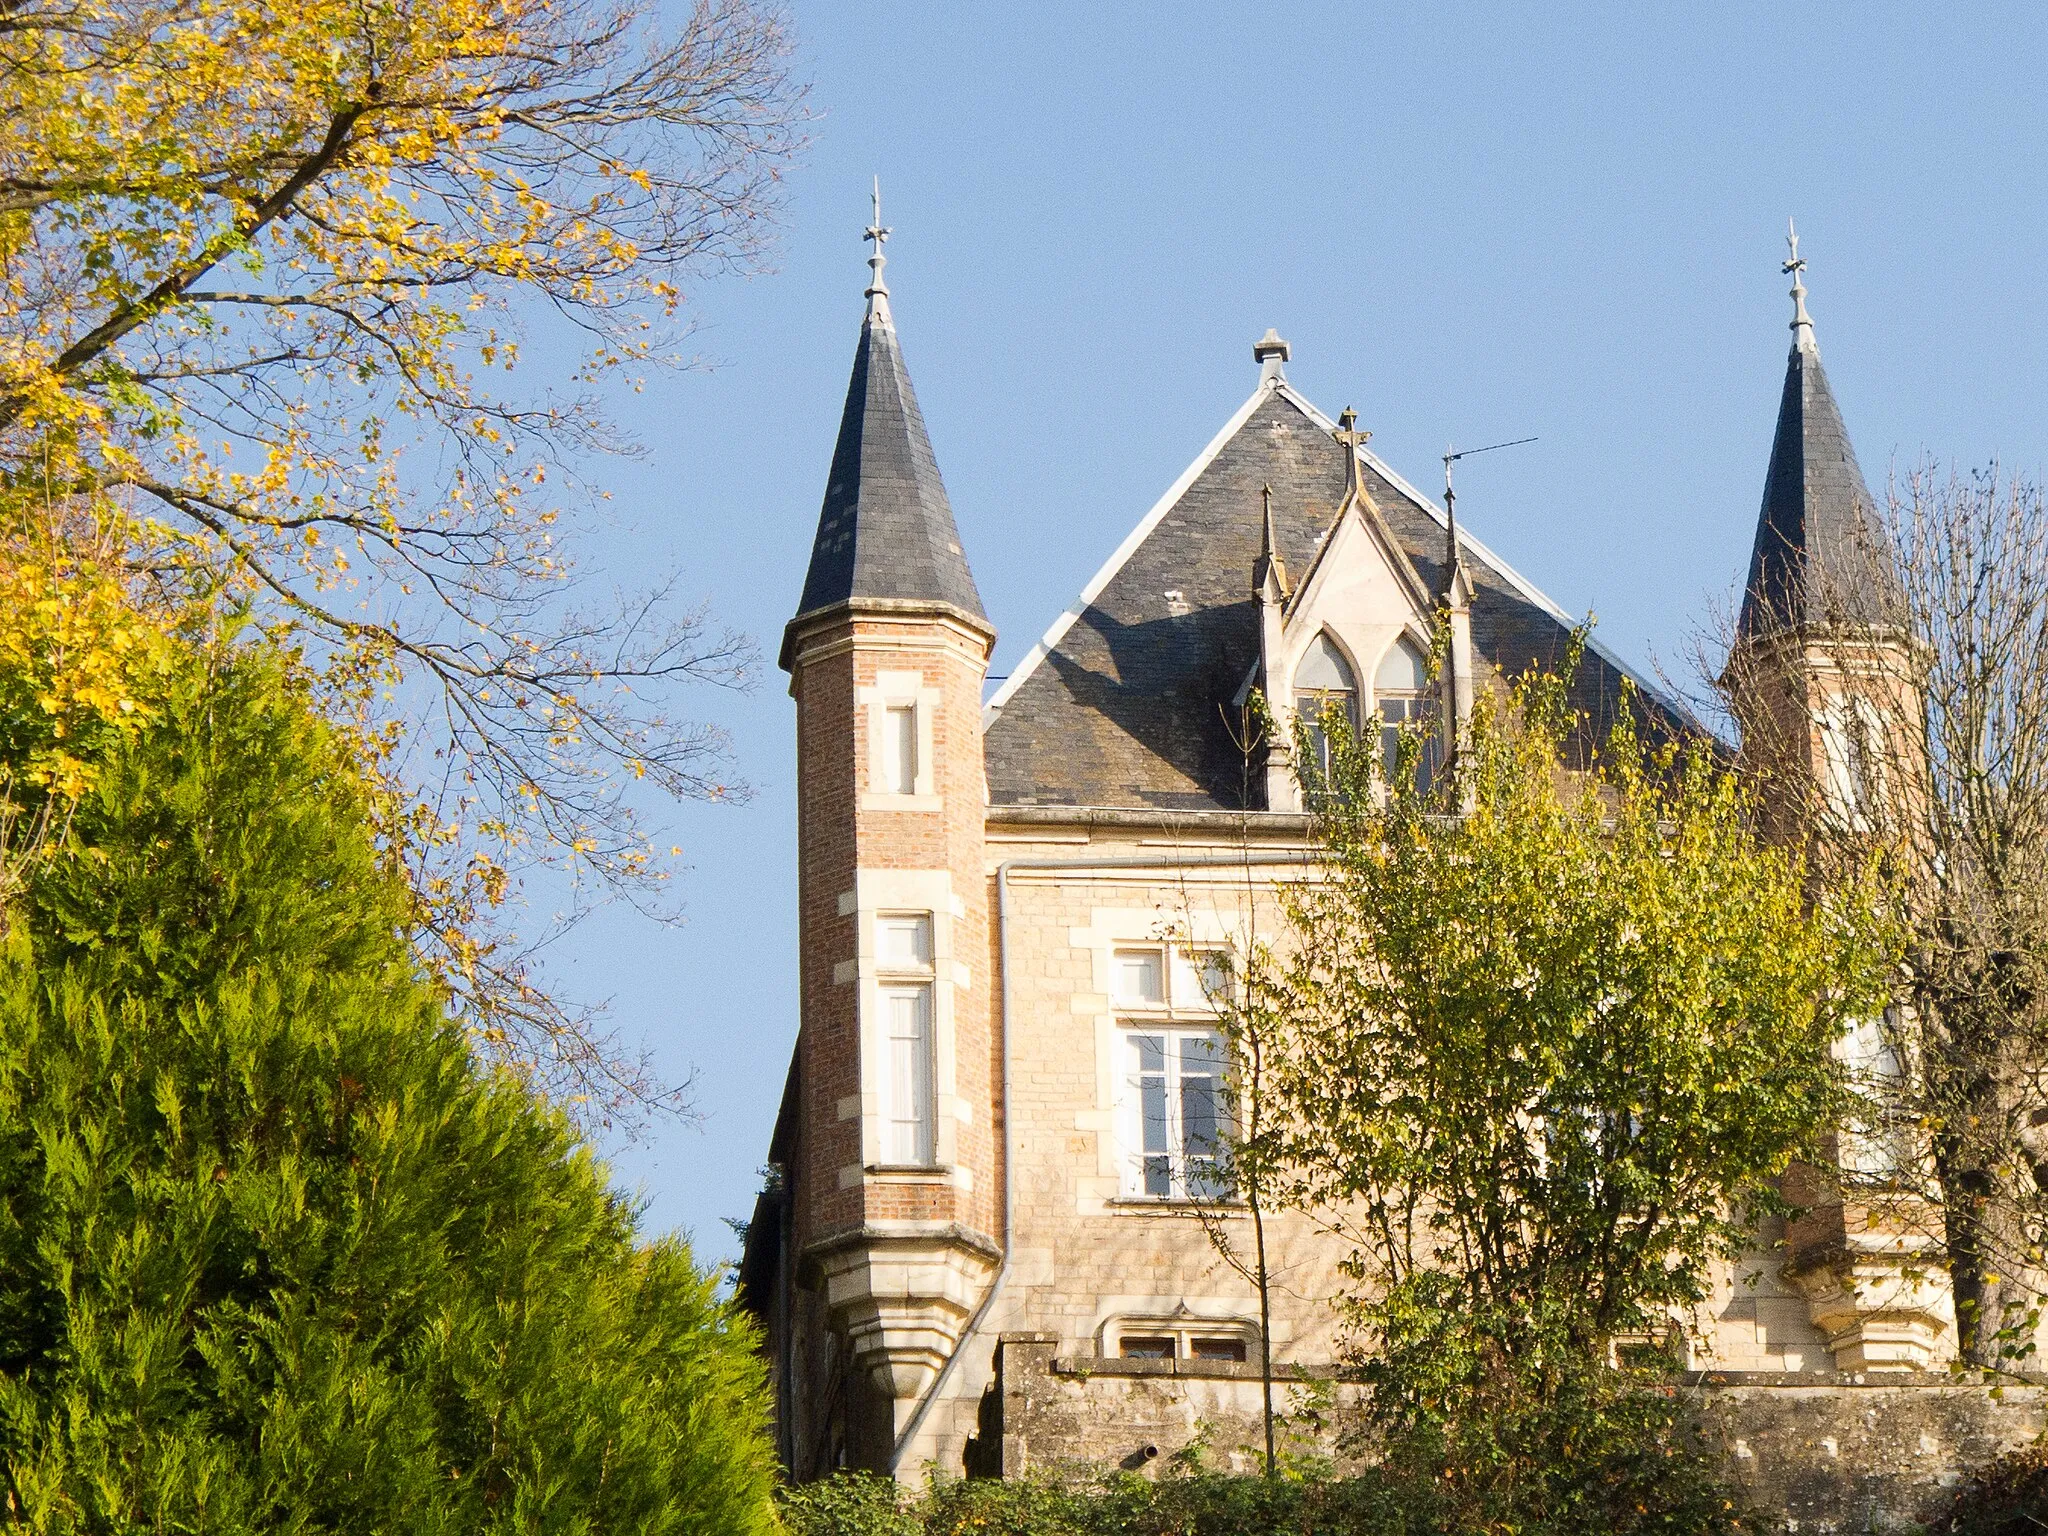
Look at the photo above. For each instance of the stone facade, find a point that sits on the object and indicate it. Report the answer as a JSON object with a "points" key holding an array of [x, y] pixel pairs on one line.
{"points": [[1034, 1281]]}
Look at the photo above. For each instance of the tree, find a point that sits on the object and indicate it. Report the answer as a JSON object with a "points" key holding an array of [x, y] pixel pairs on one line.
{"points": [[1933, 758], [276, 1249], [1537, 1063], [260, 267]]}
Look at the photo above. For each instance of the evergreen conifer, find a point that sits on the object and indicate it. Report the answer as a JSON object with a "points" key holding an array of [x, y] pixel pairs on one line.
{"points": [[277, 1251]]}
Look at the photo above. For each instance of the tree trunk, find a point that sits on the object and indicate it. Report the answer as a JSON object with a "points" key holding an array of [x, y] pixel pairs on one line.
{"points": [[1975, 1092]]}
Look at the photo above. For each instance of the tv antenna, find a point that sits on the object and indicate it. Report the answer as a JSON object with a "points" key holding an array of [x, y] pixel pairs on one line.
{"points": [[1451, 456]]}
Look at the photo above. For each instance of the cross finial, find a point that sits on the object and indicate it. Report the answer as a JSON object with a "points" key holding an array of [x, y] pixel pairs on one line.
{"points": [[1353, 439], [1795, 267], [878, 232]]}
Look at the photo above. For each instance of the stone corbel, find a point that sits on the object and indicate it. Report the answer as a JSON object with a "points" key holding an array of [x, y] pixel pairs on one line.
{"points": [[1872, 1286], [902, 1297]]}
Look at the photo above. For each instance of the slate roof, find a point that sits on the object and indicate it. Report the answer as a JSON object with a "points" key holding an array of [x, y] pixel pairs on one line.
{"points": [[1126, 702], [886, 530], [1820, 555]]}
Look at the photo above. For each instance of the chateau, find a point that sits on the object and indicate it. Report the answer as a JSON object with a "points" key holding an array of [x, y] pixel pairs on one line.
{"points": [[986, 1246]]}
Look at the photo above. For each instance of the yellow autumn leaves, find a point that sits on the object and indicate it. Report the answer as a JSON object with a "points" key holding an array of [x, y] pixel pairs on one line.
{"points": [[264, 274]]}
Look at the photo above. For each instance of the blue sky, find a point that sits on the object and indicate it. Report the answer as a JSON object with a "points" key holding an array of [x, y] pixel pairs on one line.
{"points": [[1472, 223]]}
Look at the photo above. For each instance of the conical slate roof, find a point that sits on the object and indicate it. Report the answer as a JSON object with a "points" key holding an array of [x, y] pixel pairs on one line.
{"points": [[886, 531], [1821, 556]]}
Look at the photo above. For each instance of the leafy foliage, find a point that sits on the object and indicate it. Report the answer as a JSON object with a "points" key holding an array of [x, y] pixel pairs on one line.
{"points": [[264, 273], [1535, 1042], [276, 1251], [1628, 1495]]}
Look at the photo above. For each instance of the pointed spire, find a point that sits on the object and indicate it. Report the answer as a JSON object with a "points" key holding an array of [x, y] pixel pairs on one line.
{"points": [[1457, 593], [878, 287], [1269, 571], [1795, 266], [886, 532], [1822, 558]]}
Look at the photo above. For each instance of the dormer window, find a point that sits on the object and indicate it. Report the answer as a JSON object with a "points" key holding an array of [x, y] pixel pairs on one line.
{"points": [[1402, 698], [1324, 683]]}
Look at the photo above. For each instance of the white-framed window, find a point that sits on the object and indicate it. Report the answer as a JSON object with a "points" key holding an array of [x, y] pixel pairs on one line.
{"points": [[903, 953], [1852, 735], [1175, 1113], [899, 749], [1172, 1073], [1402, 698], [1881, 1139]]}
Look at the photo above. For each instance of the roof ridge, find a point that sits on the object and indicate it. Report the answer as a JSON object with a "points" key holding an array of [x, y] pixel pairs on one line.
{"points": [[1106, 573]]}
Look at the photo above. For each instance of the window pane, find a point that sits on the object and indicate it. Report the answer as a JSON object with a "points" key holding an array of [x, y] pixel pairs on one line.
{"points": [[1158, 1177], [906, 941], [1138, 977], [1145, 1347], [1152, 1115], [1198, 1116], [908, 1088], [1324, 668], [1404, 669], [1208, 1178], [1218, 1349], [899, 749]]}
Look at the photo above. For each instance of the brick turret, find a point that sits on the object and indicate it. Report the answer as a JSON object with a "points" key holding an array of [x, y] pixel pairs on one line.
{"points": [[1821, 679], [893, 1177]]}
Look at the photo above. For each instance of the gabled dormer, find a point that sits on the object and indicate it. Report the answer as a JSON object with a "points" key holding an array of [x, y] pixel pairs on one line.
{"points": [[1354, 635]]}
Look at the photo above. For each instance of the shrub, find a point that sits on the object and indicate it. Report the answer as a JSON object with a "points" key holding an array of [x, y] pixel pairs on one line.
{"points": [[276, 1251], [2007, 1498]]}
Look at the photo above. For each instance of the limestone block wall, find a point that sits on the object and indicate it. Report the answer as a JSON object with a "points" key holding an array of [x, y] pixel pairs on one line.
{"points": [[1041, 1381], [1830, 1454]]}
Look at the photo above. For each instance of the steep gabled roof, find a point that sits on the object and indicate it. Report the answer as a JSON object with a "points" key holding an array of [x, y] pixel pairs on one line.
{"points": [[886, 530], [1127, 701], [1821, 557]]}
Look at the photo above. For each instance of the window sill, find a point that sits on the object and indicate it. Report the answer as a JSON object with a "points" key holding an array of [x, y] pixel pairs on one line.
{"points": [[1213, 1370], [1171, 1205], [909, 1173]]}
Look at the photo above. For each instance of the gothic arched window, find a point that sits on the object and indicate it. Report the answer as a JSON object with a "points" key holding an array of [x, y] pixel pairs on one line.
{"points": [[1401, 697], [1324, 683]]}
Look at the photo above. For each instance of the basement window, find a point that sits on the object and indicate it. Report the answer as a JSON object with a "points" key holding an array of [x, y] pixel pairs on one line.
{"points": [[1182, 1336], [1146, 1347]]}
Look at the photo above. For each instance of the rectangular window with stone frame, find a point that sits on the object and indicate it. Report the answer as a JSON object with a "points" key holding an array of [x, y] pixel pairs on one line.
{"points": [[1172, 1075]]}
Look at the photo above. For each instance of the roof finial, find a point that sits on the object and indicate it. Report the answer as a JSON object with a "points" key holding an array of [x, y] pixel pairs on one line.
{"points": [[1348, 434], [1271, 353], [878, 289], [1795, 265]]}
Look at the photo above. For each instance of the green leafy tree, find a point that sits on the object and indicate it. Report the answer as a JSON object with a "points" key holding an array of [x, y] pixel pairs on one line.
{"points": [[277, 1251], [1537, 1044]]}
